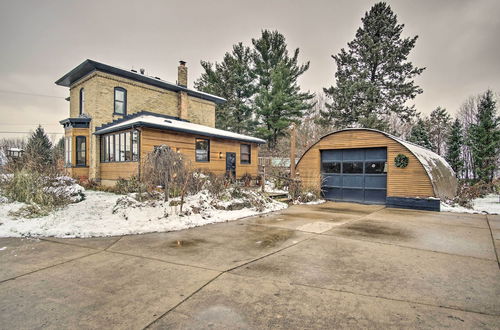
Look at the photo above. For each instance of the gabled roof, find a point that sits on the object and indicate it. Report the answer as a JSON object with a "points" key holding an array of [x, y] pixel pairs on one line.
{"points": [[152, 120], [89, 66]]}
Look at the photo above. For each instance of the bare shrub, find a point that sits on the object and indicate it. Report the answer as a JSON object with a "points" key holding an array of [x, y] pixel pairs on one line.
{"points": [[467, 193], [127, 186], [166, 168], [43, 193]]}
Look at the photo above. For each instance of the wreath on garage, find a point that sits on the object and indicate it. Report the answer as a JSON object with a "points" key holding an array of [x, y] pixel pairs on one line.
{"points": [[401, 161]]}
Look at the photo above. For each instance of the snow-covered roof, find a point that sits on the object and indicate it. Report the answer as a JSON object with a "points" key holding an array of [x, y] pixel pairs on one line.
{"points": [[146, 119], [441, 175]]}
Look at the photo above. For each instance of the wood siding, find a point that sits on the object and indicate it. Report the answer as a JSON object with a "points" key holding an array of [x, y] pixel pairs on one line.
{"points": [[411, 181], [119, 170], [185, 144]]}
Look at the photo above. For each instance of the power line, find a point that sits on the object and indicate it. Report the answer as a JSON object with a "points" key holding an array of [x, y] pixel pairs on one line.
{"points": [[2, 132], [30, 94]]}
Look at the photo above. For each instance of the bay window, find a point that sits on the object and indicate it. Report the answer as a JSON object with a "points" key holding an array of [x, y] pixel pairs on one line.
{"points": [[67, 151], [81, 151]]}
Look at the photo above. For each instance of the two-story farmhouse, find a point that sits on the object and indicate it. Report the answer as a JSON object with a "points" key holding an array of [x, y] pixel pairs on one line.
{"points": [[117, 116]]}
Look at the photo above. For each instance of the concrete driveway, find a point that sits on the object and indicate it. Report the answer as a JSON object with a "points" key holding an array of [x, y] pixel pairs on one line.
{"points": [[334, 265]]}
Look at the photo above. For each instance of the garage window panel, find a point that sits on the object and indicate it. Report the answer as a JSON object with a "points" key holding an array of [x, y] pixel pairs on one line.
{"points": [[332, 181], [331, 155], [375, 167], [353, 181], [331, 167], [352, 167]]}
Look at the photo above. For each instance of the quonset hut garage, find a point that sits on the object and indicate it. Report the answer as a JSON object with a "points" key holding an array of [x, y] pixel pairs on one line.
{"points": [[373, 167]]}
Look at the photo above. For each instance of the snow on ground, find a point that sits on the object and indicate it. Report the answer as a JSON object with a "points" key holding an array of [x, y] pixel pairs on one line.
{"points": [[100, 215], [489, 204], [271, 188]]}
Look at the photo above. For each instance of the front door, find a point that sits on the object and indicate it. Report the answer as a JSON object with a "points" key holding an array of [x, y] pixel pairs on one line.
{"points": [[231, 164]]}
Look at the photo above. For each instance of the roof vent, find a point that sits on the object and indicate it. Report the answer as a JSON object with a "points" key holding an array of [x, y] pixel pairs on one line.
{"points": [[142, 70], [134, 70], [158, 78]]}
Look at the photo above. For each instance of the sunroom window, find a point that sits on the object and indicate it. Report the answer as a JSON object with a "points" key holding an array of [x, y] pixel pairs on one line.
{"points": [[120, 147]]}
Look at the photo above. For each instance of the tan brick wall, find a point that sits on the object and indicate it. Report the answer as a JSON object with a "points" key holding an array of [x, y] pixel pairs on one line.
{"points": [[99, 105], [201, 111]]}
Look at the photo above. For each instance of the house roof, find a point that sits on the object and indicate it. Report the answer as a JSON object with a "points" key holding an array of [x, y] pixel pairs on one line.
{"points": [[89, 66], [152, 120]]}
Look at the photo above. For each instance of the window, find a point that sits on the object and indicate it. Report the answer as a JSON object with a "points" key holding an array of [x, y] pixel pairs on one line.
{"points": [[67, 150], [331, 167], [82, 101], [81, 149], [202, 150], [245, 154], [120, 101], [135, 146], [120, 147], [352, 167], [375, 167]]}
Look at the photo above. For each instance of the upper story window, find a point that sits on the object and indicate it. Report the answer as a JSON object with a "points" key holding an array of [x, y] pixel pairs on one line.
{"points": [[82, 101], [202, 150], [245, 153], [81, 151], [120, 101]]}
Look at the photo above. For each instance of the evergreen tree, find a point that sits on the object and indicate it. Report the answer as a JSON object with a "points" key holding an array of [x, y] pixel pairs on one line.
{"points": [[374, 79], [232, 79], [455, 142], [484, 138], [420, 134], [38, 153], [278, 101], [439, 123]]}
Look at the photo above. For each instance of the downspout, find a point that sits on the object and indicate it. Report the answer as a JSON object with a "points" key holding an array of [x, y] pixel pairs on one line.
{"points": [[139, 140]]}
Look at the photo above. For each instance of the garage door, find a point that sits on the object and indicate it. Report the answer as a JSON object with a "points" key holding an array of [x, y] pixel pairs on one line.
{"points": [[354, 175]]}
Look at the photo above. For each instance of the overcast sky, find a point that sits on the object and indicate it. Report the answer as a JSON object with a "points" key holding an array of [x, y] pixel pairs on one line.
{"points": [[459, 43]]}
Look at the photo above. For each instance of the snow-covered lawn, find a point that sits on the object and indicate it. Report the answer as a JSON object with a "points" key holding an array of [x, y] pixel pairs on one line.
{"points": [[489, 204], [100, 215]]}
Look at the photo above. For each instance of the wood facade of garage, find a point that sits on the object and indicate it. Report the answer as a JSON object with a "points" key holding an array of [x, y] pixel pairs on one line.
{"points": [[410, 183]]}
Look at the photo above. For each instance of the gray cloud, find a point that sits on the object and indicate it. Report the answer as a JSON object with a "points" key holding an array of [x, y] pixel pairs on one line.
{"points": [[42, 40]]}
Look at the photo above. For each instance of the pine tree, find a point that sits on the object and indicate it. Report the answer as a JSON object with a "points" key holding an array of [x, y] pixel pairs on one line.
{"points": [[484, 138], [38, 153], [279, 100], [454, 143], [420, 134], [232, 79], [439, 123], [374, 79]]}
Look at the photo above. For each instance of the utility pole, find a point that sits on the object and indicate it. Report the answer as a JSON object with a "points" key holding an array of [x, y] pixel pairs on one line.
{"points": [[293, 137]]}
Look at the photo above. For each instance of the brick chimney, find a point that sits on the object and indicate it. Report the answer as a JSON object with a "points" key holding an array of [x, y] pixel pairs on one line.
{"points": [[182, 74], [183, 97]]}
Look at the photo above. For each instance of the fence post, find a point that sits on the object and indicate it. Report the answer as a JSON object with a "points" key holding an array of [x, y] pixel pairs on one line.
{"points": [[263, 183]]}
